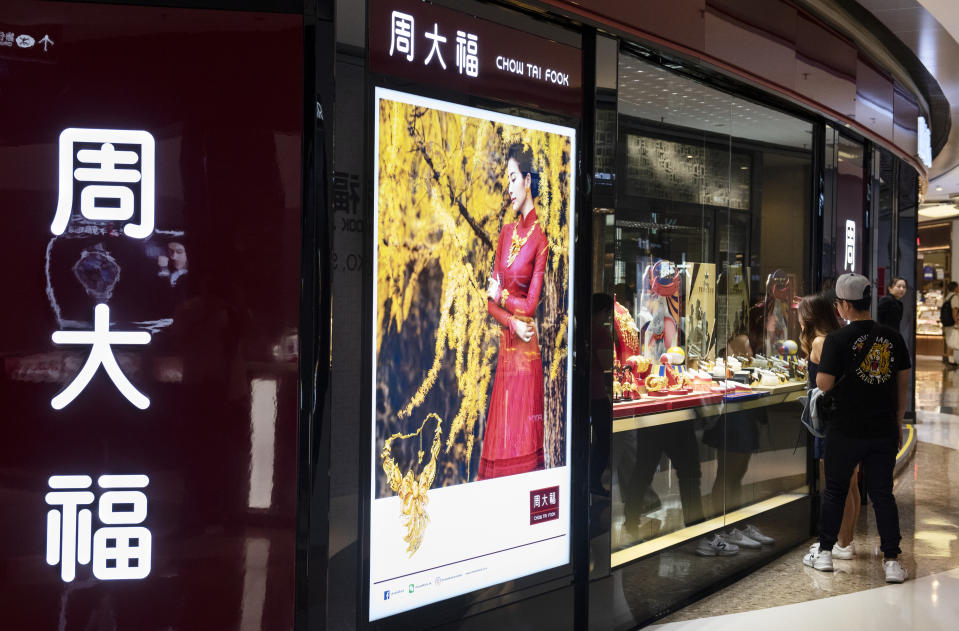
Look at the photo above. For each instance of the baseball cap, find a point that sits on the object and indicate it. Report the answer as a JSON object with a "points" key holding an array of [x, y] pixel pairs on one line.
{"points": [[853, 287]]}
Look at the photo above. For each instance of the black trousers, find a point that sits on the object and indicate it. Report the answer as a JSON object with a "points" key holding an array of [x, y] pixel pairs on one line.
{"points": [[678, 442], [878, 458]]}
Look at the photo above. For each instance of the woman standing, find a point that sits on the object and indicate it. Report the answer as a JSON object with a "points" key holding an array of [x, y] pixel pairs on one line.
{"points": [[890, 308], [817, 318], [514, 427]]}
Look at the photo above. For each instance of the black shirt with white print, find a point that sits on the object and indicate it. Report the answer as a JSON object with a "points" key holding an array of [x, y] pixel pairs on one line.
{"points": [[868, 396]]}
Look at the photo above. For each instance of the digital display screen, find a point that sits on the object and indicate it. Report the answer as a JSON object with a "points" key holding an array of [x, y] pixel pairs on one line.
{"points": [[473, 261]]}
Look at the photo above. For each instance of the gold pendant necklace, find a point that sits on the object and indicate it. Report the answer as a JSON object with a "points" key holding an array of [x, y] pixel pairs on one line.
{"points": [[412, 489], [516, 243]]}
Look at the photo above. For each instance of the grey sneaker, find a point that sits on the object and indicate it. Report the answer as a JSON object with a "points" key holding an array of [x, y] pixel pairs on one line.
{"points": [[742, 540], [895, 573], [716, 545], [756, 535], [819, 560]]}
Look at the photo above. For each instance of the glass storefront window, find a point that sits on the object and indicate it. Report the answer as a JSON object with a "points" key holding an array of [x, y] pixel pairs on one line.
{"points": [[706, 257]]}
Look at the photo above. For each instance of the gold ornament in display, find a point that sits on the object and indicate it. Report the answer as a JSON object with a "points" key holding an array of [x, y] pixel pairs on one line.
{"points": [[412, 489], [641, 362], [655, 383], [627, 328]]}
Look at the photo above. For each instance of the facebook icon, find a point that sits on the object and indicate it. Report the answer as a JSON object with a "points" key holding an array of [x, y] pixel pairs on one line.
{"points": [[386, 595]]}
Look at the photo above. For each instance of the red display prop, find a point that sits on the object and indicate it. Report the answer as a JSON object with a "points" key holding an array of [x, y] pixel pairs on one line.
{"points": [[665, 404]]}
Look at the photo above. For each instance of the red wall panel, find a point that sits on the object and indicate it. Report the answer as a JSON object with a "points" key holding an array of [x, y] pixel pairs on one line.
{"points": [[221, 94]]}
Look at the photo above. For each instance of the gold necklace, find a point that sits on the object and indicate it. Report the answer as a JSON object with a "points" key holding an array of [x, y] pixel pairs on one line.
{"points": [[412, 489], [516, 243], [627, 329]]}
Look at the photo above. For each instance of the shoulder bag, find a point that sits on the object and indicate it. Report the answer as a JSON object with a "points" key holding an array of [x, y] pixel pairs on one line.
{"points": [[819, 407]]}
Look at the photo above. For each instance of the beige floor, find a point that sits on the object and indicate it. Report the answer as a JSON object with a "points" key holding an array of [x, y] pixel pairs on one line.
{"points": [[929, 518]]}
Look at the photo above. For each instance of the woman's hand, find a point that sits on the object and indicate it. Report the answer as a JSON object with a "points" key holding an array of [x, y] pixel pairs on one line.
{"points": [[524, 330], [493, 290]]}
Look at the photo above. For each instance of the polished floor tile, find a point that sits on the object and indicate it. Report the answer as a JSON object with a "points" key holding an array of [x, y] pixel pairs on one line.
{"points": [[787, 595], [930, 603]]}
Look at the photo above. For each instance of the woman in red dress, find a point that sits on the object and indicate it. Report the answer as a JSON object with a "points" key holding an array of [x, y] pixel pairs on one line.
{"points": [[514, 426]]}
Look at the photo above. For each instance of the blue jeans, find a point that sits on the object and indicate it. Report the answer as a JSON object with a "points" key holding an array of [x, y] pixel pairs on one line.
{"points": [[878, 458]]}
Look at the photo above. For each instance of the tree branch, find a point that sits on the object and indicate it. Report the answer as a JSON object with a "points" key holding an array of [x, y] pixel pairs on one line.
{"points": [[478, 230]]}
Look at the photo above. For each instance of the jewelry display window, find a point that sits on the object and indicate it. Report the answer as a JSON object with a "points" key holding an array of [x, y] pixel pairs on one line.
{"points": [[706, 260]]}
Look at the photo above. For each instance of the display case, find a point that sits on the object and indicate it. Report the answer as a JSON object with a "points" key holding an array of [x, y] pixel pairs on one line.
{"points": [[927, 313], [706, 259]]}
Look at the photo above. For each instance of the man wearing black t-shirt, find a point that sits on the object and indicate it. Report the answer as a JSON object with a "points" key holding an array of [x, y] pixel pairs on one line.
{"points": [[868, 364]]}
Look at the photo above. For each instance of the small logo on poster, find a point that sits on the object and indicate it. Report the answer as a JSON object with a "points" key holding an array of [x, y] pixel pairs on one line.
{"points": [[386, 595], [543, 505], [411, 588]]}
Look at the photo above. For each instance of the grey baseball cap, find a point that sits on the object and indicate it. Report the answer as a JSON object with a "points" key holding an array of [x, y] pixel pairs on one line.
{"points": [[853, 287]]}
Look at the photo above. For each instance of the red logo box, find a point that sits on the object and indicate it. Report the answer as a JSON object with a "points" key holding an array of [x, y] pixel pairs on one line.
{"points": [[543, 505]]}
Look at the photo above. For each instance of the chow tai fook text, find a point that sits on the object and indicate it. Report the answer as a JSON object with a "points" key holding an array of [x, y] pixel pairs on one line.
{"points": [[455, 51], [106, 180], [531, 70]]}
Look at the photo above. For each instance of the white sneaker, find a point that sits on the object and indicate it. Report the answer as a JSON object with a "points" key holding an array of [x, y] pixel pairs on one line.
{"points": [[756, 535], [895, 573], [716, 545], [742, 540], [819, 560], [844, 553]]}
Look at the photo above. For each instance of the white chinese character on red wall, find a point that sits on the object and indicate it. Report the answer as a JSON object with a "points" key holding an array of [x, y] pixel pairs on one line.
{"points": [[467, 53], [109, 178], [121, 548], [401, 35], [435, 49], [100, 340]]}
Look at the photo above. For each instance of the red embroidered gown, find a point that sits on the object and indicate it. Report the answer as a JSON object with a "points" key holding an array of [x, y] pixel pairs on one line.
{"points": [[514, 427]]}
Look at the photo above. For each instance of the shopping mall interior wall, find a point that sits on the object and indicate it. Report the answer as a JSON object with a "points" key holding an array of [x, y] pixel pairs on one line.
{"points": [[777, 42]]}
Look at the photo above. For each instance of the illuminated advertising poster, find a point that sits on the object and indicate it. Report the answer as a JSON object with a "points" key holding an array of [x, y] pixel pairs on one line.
{"points": [[470, 477]]}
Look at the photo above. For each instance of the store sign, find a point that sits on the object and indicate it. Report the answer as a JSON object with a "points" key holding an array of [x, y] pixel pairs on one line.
{"points": [[153, 303], [850, 260], [469, 461], [925, 142], [430, 44]]}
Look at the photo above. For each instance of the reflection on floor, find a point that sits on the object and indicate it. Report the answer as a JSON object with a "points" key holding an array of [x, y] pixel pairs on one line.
{"points": [[855, 596]]}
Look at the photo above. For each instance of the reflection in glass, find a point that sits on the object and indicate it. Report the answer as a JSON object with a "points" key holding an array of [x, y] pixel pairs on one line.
{"points": [[710, 252], [263, 441]]}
